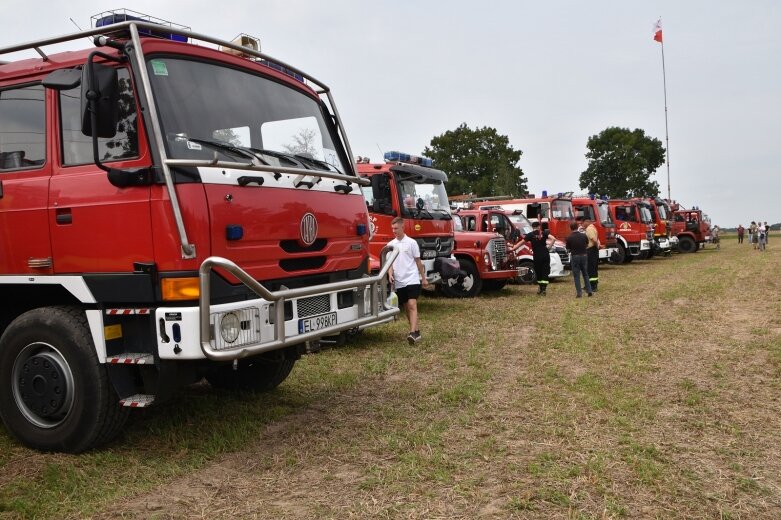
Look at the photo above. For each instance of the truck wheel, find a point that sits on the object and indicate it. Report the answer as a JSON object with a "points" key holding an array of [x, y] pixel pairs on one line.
{"points": [[494, 285], [54, 393], [619, 257], [686, 245], [256, 374], [466, 286], [531, 276]]}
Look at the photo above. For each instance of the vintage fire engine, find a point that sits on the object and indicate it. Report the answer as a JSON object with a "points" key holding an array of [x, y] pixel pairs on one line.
{"points": [[633, 234], [160, 222]]}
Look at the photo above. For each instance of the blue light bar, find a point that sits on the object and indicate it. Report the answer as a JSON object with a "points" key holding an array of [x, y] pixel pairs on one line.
{"points": [[408, 158], [121, 15]]}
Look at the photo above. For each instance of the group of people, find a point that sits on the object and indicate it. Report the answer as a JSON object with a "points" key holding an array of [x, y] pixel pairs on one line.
{"points": [[407, 274], [758, 234]]}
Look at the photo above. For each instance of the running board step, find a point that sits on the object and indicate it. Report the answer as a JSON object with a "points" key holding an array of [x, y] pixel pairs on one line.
{"points": [[131, 359], [138, 401]]}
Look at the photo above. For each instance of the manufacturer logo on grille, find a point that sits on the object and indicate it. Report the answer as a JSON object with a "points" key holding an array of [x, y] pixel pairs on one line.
{"points": [[438, 244], [308, 229]]}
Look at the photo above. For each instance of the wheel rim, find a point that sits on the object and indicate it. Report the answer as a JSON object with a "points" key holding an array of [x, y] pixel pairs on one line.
{"points": [[42, 385]]}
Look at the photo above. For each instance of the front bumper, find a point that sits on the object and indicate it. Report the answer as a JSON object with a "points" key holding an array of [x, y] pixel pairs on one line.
{"points": [[606, 252], [273, 321]]}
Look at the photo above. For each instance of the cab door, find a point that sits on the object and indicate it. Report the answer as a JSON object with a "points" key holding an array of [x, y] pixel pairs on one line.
{"points": [[25, 172], [95, 226]]}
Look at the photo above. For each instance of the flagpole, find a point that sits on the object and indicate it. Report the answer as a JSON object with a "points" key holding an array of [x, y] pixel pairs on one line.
{"points": [[666, 130]]}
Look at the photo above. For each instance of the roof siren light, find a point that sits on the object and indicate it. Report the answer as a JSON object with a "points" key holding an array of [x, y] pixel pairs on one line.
{"points": [[544, 193], [408, 158]]}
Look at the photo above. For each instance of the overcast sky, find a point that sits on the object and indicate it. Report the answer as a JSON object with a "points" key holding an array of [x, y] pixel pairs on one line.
{"points": [[546, 74]]}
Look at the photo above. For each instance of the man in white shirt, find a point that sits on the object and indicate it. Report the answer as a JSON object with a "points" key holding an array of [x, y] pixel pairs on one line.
{"points": [[407, 274]]}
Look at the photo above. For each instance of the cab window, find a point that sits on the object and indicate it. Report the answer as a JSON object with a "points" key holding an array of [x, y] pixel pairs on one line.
{"points": [[77, 147], [22, 128]]}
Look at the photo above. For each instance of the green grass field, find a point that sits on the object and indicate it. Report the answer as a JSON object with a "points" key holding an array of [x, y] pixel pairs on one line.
{"points": [[657, 398]]}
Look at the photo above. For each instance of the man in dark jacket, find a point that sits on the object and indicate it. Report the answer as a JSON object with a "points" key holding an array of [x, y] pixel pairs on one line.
{"points": [[577, 243], [538, 241]]}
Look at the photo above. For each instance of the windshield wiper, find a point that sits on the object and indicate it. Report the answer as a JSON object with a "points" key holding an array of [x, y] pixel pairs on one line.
{"points": [[225, 147], [317, 162]]}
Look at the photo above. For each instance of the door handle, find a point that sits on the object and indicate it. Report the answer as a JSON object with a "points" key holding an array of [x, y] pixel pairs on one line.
{"points": [[63, 216]]}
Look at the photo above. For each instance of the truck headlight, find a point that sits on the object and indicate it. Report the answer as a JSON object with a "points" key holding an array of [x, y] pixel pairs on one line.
{"points": [[230, 327]]}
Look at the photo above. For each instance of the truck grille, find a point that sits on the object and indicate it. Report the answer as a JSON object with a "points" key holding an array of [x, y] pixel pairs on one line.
{"points": [[430, 244], [500, 251], [314, 305]]}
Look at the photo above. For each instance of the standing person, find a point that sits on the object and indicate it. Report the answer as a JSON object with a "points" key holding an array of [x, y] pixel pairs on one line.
{"points": [[752, 234], [715, 233], [762, 238], [407, 274], [767, 233], [592, 252], [741, 231], [538, 241], [577, 244]]}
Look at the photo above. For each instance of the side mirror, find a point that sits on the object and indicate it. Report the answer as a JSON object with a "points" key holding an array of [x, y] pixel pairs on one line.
{"points": [[380, 187], [99, 100], [62, 79], [420, 204]]}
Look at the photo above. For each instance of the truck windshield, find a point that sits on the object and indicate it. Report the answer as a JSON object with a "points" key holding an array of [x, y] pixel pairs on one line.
{"points": [[562, 210], [431, 193], [662, 210], [604, 214], [645, 215], [521, 223], [207, 109]]}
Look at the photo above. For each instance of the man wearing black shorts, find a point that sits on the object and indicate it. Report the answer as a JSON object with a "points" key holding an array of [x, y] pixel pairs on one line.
{"points": [[407, 274]]}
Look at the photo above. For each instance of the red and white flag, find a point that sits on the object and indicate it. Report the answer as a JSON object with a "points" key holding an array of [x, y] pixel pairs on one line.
{"points": [[658, 31]]}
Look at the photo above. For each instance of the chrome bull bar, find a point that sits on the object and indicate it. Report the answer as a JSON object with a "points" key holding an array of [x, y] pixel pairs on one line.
{"points": [[378, 284]]}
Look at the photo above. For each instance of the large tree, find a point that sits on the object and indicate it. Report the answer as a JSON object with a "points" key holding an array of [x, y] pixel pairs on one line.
{"points": [[478, 161], [621, 162]]}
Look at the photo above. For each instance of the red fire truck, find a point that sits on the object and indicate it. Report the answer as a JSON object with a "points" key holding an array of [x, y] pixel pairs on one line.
{"points": [[660, 245], [664, 242], [159, 225], [633, 235], [596, 210], [409, 186], [485, 234], [690, 227], [555, 214], [483, 257]]}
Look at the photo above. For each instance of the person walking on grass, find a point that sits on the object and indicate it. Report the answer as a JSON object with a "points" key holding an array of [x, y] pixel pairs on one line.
{"points": [[762, 237], [767, 234], [715, 233], [407, 275], [752, 234], [576, 244], [741, 231]]}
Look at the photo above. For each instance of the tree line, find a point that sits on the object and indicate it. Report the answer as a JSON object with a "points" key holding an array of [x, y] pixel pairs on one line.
{"points": [[482, 162]]}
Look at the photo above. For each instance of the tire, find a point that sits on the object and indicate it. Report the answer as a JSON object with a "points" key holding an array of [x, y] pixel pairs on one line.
{"points": [[494, 285], [467, 286], [531, 276], [686, 245], [256, 374], [55, 395], [620, 256]]}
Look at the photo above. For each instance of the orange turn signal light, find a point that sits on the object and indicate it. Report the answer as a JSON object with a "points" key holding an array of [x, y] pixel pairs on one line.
{"points": [[176, 289]]}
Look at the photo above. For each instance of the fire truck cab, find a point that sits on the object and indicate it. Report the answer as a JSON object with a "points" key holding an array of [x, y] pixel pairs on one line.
{"points": [[161, 222], [634, 237], [690, 227], [408, 186], [597, 211]]}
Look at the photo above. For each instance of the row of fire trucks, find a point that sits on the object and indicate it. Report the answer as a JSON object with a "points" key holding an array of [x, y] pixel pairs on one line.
{"points": [[174, 206]]}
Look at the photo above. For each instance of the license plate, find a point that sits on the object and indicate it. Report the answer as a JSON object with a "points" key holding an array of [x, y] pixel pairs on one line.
{"points": [[429, 254], [316, 322]]}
